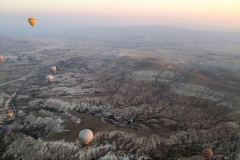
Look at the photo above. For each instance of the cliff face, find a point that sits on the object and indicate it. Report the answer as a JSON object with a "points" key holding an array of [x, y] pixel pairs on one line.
{"points": [[134, 111]]}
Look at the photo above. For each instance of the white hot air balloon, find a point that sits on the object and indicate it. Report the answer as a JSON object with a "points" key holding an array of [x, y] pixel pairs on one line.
{"points": [[49, 78], [53, 69], [20, 112], [77, 120], [86, 136]]}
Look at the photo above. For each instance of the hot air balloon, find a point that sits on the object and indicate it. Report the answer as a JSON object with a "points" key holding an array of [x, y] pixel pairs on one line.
{"points": [[1, 58], [72, 119], [86, 136], [53, 69], [20, 112], [207, 153], [32, 21], [49, 78], [77, 120], [103, 149], [9, 113], [7, 129]]}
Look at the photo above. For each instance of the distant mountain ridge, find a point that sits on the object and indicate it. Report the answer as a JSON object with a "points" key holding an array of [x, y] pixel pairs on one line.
{"points": [[156, 33]]}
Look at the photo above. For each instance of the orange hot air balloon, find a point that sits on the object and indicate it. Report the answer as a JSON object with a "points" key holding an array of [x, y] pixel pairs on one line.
{"points": [[207, 153], [1, 58], [32, 21], [9, 113], [53, 69], [49, 78]]}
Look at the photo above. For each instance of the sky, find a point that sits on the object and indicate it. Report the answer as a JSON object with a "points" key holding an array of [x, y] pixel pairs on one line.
{"points": [[201, 14]]}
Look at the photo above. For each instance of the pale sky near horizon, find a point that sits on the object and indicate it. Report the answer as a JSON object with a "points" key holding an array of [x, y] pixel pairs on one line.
{"points": [[74, 13]]}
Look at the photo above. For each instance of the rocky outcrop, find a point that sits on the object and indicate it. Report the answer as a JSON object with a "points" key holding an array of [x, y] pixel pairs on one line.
{"points": [[145, 113], [27, 148]]}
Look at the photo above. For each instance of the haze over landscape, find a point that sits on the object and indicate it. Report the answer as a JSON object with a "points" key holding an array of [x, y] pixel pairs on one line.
{"points": [[200, 14], [152, 80]]}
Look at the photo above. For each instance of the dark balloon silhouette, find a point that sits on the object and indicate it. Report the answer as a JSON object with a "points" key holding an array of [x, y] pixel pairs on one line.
{"points": [[7, 129]]}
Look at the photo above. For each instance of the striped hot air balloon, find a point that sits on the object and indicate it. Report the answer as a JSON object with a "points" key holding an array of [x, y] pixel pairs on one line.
{"points": [[32, 21], [207, 153]]}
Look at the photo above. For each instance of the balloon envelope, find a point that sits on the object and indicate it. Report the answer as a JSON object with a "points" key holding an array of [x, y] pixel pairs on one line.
{"points": [[72, 120], [32, 21], [20, 111], [7, 129], [49, 78], [86, 136], [103, 149], [77, 121], [53, 69], [207, 153], [9, 113], [1, 58]]}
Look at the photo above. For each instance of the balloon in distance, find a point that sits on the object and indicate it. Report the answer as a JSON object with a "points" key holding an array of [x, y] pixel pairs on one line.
{"points": [[72, 119], [49, 78], [7, 129], [86, 136], [1, 58], [207, 153], [53, 69], [9, 113], [77, 120], [32, 21]]}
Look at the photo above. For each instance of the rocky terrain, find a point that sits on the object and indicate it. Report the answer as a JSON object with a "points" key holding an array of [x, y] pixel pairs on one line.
{"points": [[150, 92], [137, 109]]}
